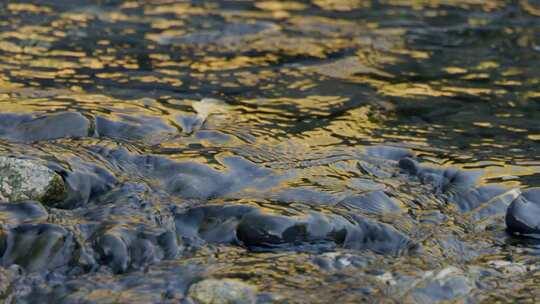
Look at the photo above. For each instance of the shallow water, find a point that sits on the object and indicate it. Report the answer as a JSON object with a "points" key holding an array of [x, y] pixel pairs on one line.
{"points": [[322, 151]]}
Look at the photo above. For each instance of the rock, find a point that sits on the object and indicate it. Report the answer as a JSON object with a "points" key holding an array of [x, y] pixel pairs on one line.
{"points": [[125, 127], [29, 128], [449, 284], [212, 291], [37, 247], [462, 188], [259, 230], [167, 283], [123, 247], [373, 202], [22, 179], [522, 216], [83, 183], [22, 212], [192, 180]]}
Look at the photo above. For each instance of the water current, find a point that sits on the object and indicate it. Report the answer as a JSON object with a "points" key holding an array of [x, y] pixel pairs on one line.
{"points": [[324, 151]]}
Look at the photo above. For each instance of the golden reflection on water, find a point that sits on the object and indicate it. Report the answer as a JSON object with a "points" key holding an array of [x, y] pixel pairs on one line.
{"points": [[305, 84]]}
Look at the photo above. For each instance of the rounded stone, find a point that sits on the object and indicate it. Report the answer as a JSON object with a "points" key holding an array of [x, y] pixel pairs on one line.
{"points": [[22, 179], [225, 291]]}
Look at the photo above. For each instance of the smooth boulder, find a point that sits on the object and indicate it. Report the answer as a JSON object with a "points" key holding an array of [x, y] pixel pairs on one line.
{"points": [[29, 128], [22, 179], [523, 214]]}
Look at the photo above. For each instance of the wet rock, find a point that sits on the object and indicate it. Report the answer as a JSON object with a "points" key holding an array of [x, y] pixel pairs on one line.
{"points": [[225, 291], [22, 179], [22, 212], [380, 238], [261, 231], [372, 169], [480, 198], [26, 128], [212, 136], [84, 182], [497, 205], [523, 215], [37, 247], [374, 202], [126, 247], [197, 181], [462, 188], [455, 248], [127, 230], [211, 223], [448, 284], [191, 180], [265, 230], [163, 283], [131, 127], [442, 179]]}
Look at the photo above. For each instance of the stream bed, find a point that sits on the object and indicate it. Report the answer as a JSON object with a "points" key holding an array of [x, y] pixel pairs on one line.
{"points": [[318, 151]]}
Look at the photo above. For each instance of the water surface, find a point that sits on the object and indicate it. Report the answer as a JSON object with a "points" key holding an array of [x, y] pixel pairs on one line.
{"points": [[321, 150]]}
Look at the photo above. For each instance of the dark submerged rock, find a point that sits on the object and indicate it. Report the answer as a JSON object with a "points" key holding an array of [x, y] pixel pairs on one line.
{"points": [[127, 247], [258, 230], [37, 247], [27, 128], [373, 202], [211, 223], [192, 180], [523, 215], [164, 283], [128, 230], [22, 212], [32, 128], [131, 127], [462, 188], [84, 182], [443, 180]]}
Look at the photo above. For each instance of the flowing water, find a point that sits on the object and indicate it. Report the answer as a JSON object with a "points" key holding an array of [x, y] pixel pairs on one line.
{"points": [[322, 151]]}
